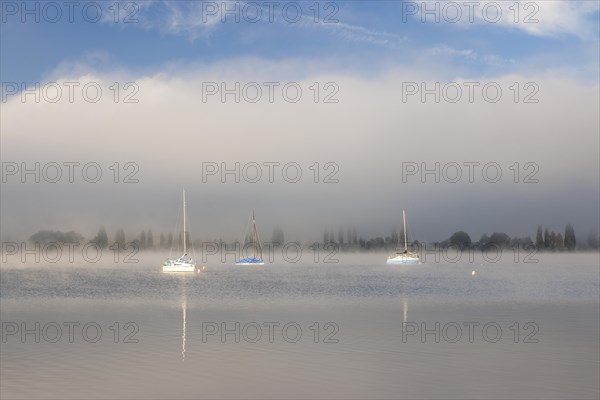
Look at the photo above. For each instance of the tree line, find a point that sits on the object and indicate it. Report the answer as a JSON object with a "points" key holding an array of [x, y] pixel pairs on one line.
{"points": [[545, 240], [346, 240]]}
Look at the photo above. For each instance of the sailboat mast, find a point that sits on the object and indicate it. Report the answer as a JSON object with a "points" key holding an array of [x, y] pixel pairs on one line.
{"points": [[404, 223], [184, 238], [253, 238]]}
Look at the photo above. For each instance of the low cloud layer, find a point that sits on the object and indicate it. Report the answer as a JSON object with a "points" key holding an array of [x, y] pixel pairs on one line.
{"points": [[371, 133]]}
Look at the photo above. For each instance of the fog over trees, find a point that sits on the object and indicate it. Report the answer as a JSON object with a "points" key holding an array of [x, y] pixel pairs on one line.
{"points": [[48, 236], [347, 240], [101, 238]]}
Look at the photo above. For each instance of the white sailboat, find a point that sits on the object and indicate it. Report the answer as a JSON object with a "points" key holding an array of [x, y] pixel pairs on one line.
{"points": [[254, 244], [403, 256], [184, 263]]}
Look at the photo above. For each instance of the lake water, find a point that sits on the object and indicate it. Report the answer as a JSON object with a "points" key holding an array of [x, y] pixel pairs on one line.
{"points": [[351, 330]]}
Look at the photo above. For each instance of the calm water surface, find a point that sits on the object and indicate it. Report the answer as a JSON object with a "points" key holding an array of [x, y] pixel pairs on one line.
{"points": [[343, 335]]}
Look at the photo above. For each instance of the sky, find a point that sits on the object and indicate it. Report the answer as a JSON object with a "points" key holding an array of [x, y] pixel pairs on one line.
{"points": [[517, 92]]}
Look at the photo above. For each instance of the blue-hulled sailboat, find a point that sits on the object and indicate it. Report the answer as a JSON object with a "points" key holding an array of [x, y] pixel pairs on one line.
{"points": [[254, 245]]}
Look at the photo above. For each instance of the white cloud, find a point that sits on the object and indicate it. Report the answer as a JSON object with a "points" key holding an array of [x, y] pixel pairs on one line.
{"points": [[199, 19], [444, 50], [540, 18], [361, 34], [556, 18], [369, 133]]}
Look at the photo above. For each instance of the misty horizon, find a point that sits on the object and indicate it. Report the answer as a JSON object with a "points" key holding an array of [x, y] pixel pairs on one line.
{"points": [[364, 199]]}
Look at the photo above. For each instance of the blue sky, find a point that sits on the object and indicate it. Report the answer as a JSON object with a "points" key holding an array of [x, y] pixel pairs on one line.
{"points": [[373, 31]]}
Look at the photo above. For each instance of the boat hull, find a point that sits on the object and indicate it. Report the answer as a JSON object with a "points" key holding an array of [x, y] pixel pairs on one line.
{"points": [[179, 268], [248, 261], [403, 260]]}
